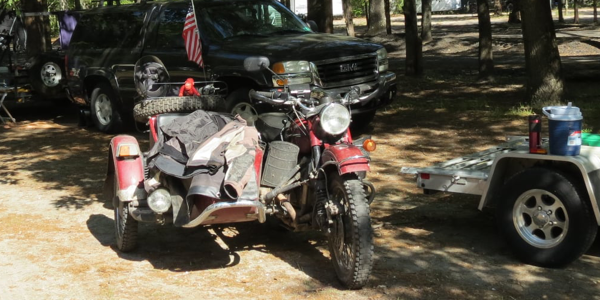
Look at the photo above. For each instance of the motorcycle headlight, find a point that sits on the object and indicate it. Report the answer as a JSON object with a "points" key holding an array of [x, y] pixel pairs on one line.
{"points": [[382, 60], [292, 72], [160, 201], [335, 119]]}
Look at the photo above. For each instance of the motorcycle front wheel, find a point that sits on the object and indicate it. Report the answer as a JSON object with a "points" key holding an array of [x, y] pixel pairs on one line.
{"points": [[351, 237]]}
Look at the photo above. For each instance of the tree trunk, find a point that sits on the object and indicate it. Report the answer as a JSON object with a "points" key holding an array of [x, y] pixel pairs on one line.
{"points": [[347, 7], [388, 17], [414, 44], [515, 15], [595, 11], [37, 27], [286, 3], [486, 60], [367, 5], [575, 12], [321, 11], [542, 61], [78, 5], [376, 17], [561, 17], [497, 8], [426, 20]]}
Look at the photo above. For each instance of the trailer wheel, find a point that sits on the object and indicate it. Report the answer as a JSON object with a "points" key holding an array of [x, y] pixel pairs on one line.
{"points": [[546, 218], [144, 110]]}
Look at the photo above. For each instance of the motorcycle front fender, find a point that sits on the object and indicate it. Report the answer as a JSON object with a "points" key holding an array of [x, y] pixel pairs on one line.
{"points": [[348, 158], [126, 168]]}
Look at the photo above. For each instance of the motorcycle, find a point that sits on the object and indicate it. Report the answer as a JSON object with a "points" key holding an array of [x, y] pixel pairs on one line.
{"points": [[314, 173], [299, 165]]}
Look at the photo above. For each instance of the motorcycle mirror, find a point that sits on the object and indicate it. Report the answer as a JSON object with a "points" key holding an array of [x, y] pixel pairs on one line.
{"points": [[256, 63]]}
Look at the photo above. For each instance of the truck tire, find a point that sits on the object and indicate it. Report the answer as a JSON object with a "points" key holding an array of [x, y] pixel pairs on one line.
{"points": [[146, 109], [46, 77], [239, 103], [545, 217], [105, 111]]}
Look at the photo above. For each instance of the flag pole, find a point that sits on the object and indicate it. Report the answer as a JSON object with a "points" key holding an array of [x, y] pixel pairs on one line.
{"points": [[199, 37]]}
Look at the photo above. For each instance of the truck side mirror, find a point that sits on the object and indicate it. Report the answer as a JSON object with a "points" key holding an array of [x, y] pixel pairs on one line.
{"points": [[256, 63], [313, 25]]}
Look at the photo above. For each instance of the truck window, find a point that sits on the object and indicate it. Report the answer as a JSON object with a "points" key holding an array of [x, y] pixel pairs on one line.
{"points": [[170, 28], [246, 18], [99, 30]]}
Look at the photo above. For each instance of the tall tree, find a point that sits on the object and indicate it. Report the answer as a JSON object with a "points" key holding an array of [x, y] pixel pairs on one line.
{"points": [[376, 17], [414, 44], [595, 11], [514, 16], [426, 20], [497, 7], [347, 8], [37, 26], [388, 17], [545, 84], [486, 60], [575, 12], [321, 11], [561, 17]]}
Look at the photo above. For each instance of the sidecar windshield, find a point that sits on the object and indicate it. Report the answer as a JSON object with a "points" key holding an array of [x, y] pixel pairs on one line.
{"points": [[247, 18]]}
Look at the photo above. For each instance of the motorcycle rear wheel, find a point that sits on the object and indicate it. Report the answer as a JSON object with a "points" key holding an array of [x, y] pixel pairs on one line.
{"points": [[351, 237], [142, 111]]}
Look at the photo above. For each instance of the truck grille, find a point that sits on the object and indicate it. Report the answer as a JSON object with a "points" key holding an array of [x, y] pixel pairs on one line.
{"points": [[348, 70]]}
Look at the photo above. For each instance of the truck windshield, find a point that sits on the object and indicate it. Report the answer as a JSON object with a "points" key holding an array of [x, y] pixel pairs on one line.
{"points": [[247, 18]]}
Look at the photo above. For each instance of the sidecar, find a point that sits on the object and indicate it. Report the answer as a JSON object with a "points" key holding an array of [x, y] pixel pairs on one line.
{"points": [[145, 191]]}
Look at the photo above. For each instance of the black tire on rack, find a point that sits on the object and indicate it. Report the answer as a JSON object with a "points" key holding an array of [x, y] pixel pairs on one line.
{"points": [[144, 110]]}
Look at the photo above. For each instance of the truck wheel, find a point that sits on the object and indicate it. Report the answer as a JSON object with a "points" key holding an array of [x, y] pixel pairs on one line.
{"points": [[126, 227], [105, 111], [146, 109], [546, 218], [351, 237], [46, 76], [238, 103]]}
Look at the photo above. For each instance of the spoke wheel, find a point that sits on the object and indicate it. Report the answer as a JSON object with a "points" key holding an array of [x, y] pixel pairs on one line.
{"points": [[546, 217], [126, 226], [351, 235]]}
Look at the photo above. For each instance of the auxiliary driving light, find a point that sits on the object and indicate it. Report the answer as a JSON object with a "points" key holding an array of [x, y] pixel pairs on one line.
{"points": [[160, 201]]}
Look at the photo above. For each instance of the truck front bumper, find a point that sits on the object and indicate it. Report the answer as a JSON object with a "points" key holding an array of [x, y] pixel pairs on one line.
{"points": [[374, 95]]}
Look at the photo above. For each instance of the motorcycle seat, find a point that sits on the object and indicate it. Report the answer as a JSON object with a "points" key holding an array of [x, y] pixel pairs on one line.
{"points": [[166, 119]]}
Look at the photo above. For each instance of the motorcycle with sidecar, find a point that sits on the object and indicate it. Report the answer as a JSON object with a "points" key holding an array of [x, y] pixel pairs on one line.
{"points": [[298, 164]]}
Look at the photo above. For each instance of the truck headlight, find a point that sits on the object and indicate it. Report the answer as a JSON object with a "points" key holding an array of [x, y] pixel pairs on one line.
{"points": [[335, 119], [292, 72], [382, 60], [160, 201]]}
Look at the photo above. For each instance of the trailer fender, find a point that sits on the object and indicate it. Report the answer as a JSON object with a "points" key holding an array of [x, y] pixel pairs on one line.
{"points": [[125, 165], [348, 158], [585, 167]]}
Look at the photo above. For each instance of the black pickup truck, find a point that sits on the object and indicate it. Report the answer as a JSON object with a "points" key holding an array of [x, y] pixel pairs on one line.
{"points": [[109, 41]]}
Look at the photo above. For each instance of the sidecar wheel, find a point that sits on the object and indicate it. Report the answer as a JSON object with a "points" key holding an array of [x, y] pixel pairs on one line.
{"points": [[126, 227], [145, 109], [351, 237]]}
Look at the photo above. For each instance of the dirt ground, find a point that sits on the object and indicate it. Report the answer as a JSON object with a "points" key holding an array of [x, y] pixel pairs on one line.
{"points": [[56, 230]]}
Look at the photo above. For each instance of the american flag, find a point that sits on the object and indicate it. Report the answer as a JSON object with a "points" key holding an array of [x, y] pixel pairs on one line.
{"points": [[191, 36]]}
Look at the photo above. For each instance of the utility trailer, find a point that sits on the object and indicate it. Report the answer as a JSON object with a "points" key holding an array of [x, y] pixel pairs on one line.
{"points": [[546, 205]]}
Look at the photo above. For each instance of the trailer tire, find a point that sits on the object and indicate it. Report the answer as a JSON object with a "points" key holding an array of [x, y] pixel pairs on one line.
{"points": [[546, 218], [144, 110]]}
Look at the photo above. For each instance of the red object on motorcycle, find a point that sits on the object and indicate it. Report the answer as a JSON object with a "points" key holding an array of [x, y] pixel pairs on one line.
{"points": [[349, 158], [129, 171], [153, 128], [188, 89]]}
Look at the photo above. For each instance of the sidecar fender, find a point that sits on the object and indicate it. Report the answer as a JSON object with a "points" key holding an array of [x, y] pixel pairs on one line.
{"points": [[126, 166], [348, 158]]}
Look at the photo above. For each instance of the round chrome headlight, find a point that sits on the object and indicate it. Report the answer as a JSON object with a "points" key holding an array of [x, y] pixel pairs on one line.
{"points": [[335, 119], [160, 201]]}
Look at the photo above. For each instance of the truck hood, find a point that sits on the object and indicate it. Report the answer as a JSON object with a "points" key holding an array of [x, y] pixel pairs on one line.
{"points": [[310, 47]]}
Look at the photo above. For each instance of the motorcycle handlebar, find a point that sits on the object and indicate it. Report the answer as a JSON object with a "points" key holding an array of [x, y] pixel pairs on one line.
{"points": [[273, 97]]}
